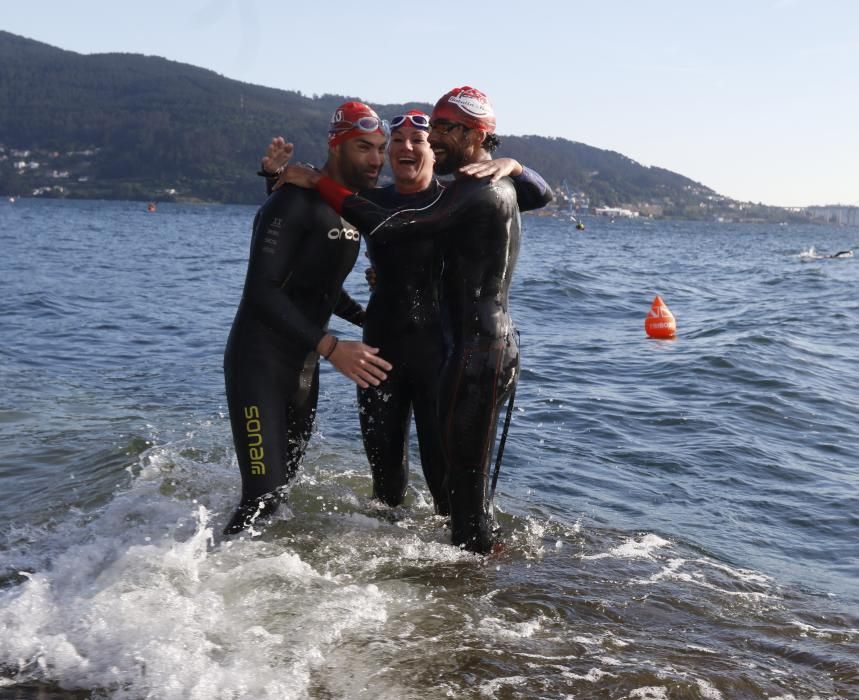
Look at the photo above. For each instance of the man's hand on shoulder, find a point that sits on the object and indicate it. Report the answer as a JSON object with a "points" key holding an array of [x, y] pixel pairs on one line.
{"points": [[493, 169], [299, 175]]}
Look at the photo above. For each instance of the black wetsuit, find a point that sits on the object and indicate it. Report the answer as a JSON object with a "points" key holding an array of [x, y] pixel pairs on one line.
{"points": [[301, 251], [477, 226], [403, 321]]}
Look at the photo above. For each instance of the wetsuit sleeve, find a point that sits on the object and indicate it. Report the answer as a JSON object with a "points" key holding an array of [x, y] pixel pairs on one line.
{"points": [[348, 309], [334, 194], [280, 227], [385, 225], [532, 191], [270, 182]]}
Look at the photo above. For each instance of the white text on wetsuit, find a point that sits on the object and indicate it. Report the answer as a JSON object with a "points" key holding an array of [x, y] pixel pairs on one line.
{"points": [[350, 234]]}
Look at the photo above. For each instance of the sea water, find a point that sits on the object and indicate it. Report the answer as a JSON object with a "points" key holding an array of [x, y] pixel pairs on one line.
{"points": [[681, 517]]}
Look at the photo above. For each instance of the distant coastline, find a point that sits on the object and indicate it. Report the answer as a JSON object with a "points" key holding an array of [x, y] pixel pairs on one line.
{"points": [[131, 127]]}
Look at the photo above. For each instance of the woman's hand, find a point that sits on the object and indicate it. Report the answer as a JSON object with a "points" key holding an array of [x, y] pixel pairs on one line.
{"points": [[299, 175], [277, 155], [370, 273], [370, 276], [493, 169]]}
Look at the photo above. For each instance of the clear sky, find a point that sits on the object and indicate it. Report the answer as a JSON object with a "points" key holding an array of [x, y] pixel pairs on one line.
{"points": [[758, 99]]}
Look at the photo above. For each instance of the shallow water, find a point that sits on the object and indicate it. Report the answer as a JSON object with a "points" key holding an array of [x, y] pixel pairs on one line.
{"points": [[680, 516]]}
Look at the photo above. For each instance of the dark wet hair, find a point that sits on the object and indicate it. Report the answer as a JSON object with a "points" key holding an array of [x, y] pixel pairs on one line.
{"points": [[490, 143]]}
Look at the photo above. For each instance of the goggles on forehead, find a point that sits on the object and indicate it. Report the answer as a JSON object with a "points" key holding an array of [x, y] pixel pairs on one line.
{"points": [[366, 124], [421, 121]]}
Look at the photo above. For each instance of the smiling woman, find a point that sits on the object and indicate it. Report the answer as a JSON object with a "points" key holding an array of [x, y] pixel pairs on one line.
{"points": [[410, 153], [403, 321]]}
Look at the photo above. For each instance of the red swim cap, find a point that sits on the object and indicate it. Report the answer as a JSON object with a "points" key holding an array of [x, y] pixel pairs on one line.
{"points": [[352, 119], [466, 105]]}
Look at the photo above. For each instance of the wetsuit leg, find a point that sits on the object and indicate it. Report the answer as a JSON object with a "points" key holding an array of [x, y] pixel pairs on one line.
{"points": [[272, 405], [385, 412], [424, 369], [476, 381]]}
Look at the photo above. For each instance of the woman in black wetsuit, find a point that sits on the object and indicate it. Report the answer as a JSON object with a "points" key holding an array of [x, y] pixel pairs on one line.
{"points": [[402, 320]]}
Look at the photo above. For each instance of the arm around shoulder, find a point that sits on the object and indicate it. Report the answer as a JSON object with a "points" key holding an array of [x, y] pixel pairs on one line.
{"points": [[532, 191]]}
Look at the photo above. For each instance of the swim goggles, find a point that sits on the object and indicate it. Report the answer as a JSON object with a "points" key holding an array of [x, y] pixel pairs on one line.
{"points": [[366, 124], [421, 121], [444, 127]]}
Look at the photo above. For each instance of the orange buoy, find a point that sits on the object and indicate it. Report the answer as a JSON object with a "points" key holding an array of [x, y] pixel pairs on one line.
{"points": [[660, 321]]}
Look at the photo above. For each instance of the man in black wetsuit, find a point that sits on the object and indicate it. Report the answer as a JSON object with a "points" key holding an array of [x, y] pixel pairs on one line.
{"points": [[477, 224], [482, 366], [301, 252]]}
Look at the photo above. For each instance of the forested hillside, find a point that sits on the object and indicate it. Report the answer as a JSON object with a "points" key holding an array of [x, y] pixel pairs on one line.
{"points": [[142, 127]]}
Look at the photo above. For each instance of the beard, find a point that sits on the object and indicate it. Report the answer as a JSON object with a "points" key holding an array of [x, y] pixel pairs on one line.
{"points": [[449, 161], [357, 177]]}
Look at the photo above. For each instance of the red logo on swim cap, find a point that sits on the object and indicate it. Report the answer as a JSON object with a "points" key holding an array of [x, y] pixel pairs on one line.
{"points": [[466, 105]]}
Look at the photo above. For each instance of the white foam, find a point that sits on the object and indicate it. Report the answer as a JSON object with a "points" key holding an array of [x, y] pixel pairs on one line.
{"points": [[592, 676], [178, 619], [708, 692], [602, 641], [703, 650], [504, 629], [610, 661], [823, 632], [138, 599], [673, 571], [650, 692], [744, 575], [491, 687], [633, 548], [669, 570]]}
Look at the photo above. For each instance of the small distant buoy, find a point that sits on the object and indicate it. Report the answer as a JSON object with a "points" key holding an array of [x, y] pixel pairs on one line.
{"points": [[660, 322], [580, 226]]}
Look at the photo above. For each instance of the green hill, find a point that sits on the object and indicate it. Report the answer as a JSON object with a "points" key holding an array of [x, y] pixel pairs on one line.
{"points": [[142, 127]]}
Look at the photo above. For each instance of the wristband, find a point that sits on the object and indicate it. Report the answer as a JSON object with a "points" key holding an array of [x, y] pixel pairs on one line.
{"points": [[333, 346], [262, 172]]}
